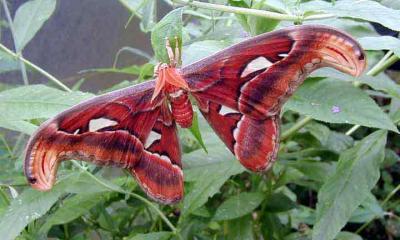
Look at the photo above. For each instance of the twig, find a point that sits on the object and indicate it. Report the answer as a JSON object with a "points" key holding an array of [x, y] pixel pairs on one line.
{"points": [[297, 126], [11, 25], [35, 67]]}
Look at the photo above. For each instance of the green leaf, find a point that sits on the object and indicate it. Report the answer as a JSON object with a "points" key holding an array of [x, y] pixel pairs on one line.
{"points": [[37, 101], [201, 49], [238, 206], [73, 208], [208, 180], [381, 43], [168, 27], [365, 10], [240, 229], [368, 210], [195, 130], [149, 14], [152, 236], [279, 202], [380, 82], [356, 174], [28, 206], [336, 101], [29, 18]]}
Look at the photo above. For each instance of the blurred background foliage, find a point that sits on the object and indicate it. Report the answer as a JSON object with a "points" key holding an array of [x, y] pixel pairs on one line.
{"points": [[338, 171]]}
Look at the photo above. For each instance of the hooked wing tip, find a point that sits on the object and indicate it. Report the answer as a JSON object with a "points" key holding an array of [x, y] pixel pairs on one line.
{"points": [[41, 164]]}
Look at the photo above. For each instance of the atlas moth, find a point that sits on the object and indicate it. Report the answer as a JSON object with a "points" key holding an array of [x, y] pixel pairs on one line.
{"points": [[239, 90]]}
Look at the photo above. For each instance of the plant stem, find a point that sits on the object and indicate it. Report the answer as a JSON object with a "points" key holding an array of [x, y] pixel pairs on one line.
{"points": [[238, 10], [382, 65], [11, 25], [253, 12], [297, 126], [35, 67], [384, 202]]}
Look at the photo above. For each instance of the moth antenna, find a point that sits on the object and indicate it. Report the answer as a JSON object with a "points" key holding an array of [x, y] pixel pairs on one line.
{"points": [[177, 52], [170, 52]]}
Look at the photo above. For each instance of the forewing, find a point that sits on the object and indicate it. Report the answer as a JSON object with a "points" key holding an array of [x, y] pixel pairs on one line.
{"points": [[106, 130], [256, 76]]}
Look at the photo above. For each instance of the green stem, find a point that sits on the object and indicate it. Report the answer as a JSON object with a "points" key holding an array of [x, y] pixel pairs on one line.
{"points": [[297, 126], [35, 67], [147, 202], [382, 65], [238, 10], [11, 25], [384, 202], [253, 12]]}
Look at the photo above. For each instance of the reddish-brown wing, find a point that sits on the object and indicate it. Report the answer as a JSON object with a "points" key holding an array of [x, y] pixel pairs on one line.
{"points": [[112, 129], [254, 142], [159, 170], [256, 76]]}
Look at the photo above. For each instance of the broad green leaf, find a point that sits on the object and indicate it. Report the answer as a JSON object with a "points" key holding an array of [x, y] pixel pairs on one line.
{"points": [[28, 206], [356, 174], [17, 125], [152, 236], [72, 208], [279, 202], [168, 27], [240, 229], [366, 10], [381, 43], [37, 101], [29, 18], [336, 101], [208, 180], [238, 206], [198, 50], [380, 82]]}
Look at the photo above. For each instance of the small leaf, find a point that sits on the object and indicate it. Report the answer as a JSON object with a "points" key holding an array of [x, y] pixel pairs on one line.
{"points": [[169, 27], [238, 206], [149, 14], [195, 130], [279, 202], [356, 174], [29, 18], [37, 101], [318, 98]]}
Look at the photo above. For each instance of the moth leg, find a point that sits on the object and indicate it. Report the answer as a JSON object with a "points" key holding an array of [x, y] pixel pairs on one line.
{"points": [[170, 53]]}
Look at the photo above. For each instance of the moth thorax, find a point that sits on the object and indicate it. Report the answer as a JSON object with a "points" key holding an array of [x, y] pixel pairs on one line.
{"points": [[181, 108]]}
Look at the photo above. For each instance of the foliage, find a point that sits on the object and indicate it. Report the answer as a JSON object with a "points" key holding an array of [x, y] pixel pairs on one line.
{"points": [[337, 176]]}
